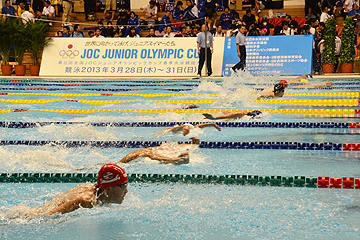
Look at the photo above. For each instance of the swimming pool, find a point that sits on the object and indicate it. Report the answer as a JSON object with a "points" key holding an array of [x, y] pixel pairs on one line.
{"points": [[39, 110]]}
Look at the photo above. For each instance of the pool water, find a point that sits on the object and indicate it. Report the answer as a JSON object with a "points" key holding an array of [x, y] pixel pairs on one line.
{"points": [[176, 210]]}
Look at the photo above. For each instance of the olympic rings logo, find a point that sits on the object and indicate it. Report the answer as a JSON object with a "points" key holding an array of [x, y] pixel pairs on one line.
{"points": [[69, 54]]}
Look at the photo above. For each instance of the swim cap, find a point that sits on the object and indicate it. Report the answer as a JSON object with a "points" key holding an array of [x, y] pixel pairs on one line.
{"points": [[303, 80], [254, 113], [279, 87], [283, 82], [111, 175]]}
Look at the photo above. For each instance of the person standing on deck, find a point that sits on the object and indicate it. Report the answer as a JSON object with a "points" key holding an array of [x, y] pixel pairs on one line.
{"points": [[201, 41], [241, 50]]}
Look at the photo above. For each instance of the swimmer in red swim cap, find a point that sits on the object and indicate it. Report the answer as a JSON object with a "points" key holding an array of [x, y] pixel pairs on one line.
{"points": [[111, 187]]}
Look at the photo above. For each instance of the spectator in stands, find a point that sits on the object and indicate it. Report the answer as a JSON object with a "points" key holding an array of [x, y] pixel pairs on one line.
{"points": [[210, 8], [191, 12], [59, 34], [168, 32], [150, 11], [348, 4], [249, 18], [355, 15], [27, 15], [219, 32], [277, 30], [226, 19], [253, 31], [21, 9], [77, 32], [98, 33], [91, 34], [89, 7], [305, 30], [182, 32], [265, 24], [292, 23], [67, 7], [286, 30], [201, 8], [122, 24], [189, 32], [101, 27], [151, 33], [165, 21], [133, 22], [132, 33], [109, 31], [263, 32], [196, 31], [324, 15], [48, 12], [235, 15], [316, 52], [56, 4], [66, 31], [177, 13], [37, 6], [8, 10], [110, 4]]}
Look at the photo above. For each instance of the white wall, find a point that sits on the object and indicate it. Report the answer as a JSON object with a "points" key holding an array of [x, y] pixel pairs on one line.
{"points": [[292, 3], [135, 5]]}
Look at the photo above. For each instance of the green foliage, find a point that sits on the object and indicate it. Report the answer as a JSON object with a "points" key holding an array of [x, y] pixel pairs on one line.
{"points": [[20, 39], [328, 55], [36, 37], [347, 51], [7, 29]]}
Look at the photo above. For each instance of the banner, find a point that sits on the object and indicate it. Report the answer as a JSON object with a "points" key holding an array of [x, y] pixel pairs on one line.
{"points": [[126, 57], [272, 55]]}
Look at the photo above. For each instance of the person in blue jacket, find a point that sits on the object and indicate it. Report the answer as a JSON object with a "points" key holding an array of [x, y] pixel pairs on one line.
{"points": [[226, 19], [165, 21], [177, 13], [201, 8], [133, 22], [191, 12]]}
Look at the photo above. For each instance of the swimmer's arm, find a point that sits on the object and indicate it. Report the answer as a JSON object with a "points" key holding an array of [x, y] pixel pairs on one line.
{"points": [[135, 155], [266, 95], [325, 84], [226, 116], [203, 125], [295, 80], [72, 205], [172, 129], [155, 156]]}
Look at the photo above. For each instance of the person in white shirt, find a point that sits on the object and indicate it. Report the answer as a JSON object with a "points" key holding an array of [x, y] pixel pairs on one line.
{"points": [[48, 11], [150, 11], [27, 16], [98, 33], [219, 32], [349, 4], [168, 32], [286, 30], [324, 15]]}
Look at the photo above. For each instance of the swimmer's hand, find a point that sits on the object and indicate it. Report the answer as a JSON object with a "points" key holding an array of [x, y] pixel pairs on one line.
{"points": [[183, 159], [217, 127], [195, 140], [208, 116]]}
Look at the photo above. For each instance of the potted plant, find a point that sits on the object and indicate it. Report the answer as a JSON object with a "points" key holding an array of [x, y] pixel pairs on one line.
{"points": [[36, 37], [21, 45], [328, 58], [6, 43], [347, 50]]}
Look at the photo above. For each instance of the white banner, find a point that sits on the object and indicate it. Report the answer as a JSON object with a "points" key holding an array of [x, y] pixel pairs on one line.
{"points": [[126, 57]]}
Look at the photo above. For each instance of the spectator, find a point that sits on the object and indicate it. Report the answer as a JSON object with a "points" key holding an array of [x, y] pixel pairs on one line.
{"points": [[191, 12], [177, 13], [286, 30], [37, 6], [133, 22], [249, 18], [168, 32], [101, 27], [56, 4], [21, 9], [201, 8], [59, 34], [122, 23], [89, 7], [265, 24], [324, 15], [189, 32], [305, 30], [91, 34], [48, 12], [182, 32], [98, 33], [8, 10], [277, 30], [109, 31], [110, 4], [219, 32], [235, 15], [253, 31], [226, 19], [197, 31], [292, 23], [27, 15], [355, 15], [132, 33], [165, 21], [77, 32], [150, 11], [67, 7], [263, 32], [210, 7], [151, 33], [348, 4], [66, 31]]}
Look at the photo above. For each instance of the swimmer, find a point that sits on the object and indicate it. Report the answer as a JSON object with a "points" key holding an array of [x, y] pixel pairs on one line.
{"points": [[186, 128], [232, 115], [164, 153], [319, 85], [277, 91], [111, 187]]}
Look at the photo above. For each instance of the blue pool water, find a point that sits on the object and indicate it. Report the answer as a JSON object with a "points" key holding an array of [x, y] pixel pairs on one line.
{"points": [[172, 211]]}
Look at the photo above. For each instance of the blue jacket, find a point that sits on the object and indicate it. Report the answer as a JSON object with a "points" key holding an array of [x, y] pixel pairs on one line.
{"points": [[133, 22], [201, 8], [189, 14], [226, 24], [165, 21], [177, 14]]}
